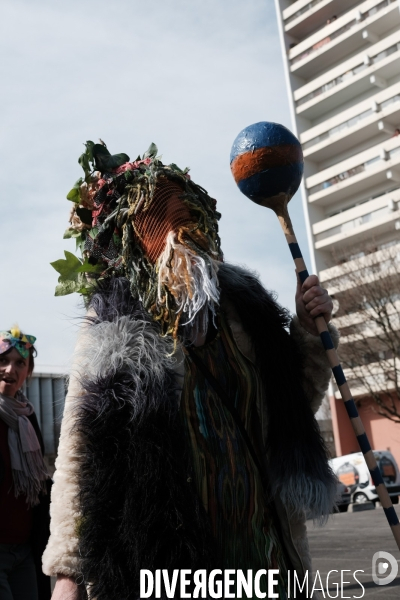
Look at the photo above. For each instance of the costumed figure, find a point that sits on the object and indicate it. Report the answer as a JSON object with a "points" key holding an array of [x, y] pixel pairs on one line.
{"points": [[24, 481], [188, 438]]}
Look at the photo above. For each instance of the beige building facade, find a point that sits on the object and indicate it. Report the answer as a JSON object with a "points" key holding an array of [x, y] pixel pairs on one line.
{"points": [[342, 67]]}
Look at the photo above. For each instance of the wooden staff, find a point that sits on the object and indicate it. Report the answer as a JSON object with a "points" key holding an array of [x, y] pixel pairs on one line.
{"points": [[267, 165], [281, 210]]}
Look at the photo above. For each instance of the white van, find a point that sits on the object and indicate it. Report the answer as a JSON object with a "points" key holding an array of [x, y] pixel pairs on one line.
{"points": [[353, 472]]}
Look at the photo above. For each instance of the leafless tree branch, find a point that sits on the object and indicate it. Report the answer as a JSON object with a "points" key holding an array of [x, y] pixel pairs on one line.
{"points": [[368, 314]]}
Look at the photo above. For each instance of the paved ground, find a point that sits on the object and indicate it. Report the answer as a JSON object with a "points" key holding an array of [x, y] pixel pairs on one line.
{"points": [[349, 541]]}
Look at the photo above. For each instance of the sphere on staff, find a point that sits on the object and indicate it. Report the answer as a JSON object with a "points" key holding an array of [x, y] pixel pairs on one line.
{"points": [[267, 162]]}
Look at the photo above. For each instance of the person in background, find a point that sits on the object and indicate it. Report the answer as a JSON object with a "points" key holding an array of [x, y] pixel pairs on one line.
{"points": [[24, 481]]}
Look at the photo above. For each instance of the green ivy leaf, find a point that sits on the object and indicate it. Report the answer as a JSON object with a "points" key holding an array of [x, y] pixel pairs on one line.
{"points": [[86, 159], [116, 160], [117, 240], [83, 160], [71, 233], [67, 287], [87, 267], [175, 167], [151, 151], [89, 149], [85, 291], [74, 194], [86, 286], [68, 267], [100, 156], [80, 241], [106, 162]]}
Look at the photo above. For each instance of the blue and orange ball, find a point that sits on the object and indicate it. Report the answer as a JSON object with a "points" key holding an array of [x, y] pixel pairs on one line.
{"points": [[267, 162]]}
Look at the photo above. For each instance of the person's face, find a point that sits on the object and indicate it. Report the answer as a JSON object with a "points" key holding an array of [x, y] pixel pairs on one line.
{"points": [[14, 369]]}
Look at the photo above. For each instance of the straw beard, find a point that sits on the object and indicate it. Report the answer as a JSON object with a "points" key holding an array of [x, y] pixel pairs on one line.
{"points": [[192, 281]]}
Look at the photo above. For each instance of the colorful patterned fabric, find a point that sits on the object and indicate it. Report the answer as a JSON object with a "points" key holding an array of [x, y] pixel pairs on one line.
{"points": [[226, 478], [16, 339]]}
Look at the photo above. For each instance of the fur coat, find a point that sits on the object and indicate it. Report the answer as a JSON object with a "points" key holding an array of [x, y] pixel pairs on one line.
{"points": [[122, 500]]}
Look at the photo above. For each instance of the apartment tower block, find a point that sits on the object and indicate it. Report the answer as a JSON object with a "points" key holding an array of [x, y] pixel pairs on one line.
{"points": [[342, 67]]}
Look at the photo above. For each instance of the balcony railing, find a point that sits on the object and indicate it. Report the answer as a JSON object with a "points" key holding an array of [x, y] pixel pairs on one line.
{"points": [[337, 285], [301, 11], [354, 317], [349, 123], [339, 32], [372, 376], [373, 197], [349, 74], [353, 223], [334, 277], [354, 171]]}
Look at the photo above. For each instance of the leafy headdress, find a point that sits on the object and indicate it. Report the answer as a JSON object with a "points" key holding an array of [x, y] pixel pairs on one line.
{"points": [[147, 222]]}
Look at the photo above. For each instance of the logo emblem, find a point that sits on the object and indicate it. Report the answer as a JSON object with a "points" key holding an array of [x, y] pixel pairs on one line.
{"points": [[380, 568]]}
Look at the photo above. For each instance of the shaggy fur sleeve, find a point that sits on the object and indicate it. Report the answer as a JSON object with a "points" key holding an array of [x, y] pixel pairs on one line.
{"points": [[61, 555], [316, 369]]}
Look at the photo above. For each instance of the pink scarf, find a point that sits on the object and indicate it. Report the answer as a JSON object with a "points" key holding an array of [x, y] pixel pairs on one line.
{"points": [[28, 468]]}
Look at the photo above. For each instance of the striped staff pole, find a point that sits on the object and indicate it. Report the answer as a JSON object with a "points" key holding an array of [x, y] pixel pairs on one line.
{"points": [[342, 384], [267, 165]]}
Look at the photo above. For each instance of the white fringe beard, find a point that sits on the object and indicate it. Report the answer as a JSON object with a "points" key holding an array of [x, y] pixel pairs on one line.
{"points": [[192, 281]]}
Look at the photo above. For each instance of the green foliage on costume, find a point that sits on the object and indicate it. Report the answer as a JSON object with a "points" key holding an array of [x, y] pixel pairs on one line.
{"points": [[74, 194], [86, 159], [66, 267], [71, 233], [72, 274], [102, 223], [105, 161], [151, 151]]}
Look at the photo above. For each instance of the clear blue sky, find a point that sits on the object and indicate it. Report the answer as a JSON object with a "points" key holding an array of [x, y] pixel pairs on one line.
{"points": [[185, 75]]}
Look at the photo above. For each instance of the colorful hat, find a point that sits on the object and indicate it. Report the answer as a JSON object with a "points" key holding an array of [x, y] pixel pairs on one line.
{"points": [[15, 339]]}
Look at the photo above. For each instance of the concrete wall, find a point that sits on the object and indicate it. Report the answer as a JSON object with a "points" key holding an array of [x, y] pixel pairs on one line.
{"points": [[47, 394]]}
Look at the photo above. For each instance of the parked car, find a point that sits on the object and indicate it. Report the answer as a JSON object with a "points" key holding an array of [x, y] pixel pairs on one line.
{"points": [[343, 497], [353, 472]]}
